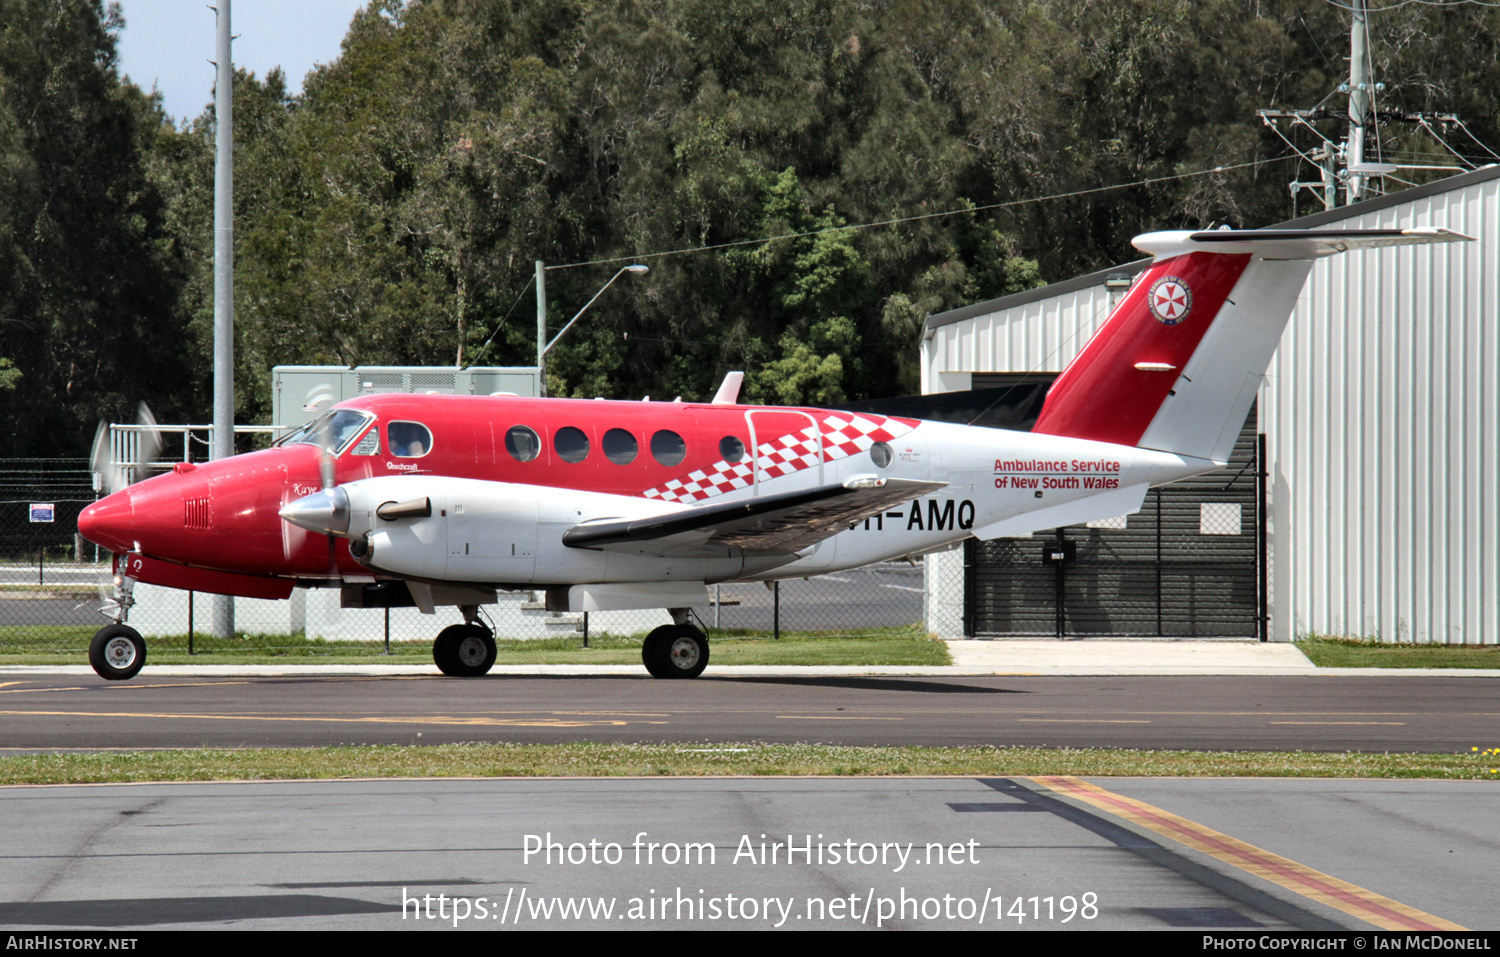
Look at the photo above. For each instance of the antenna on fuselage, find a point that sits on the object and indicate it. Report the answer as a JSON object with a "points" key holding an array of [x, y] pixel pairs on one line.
{"points": [[729, 389]]}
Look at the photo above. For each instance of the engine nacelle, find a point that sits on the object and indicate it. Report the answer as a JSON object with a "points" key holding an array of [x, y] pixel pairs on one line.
{"points": [[468, 530]]}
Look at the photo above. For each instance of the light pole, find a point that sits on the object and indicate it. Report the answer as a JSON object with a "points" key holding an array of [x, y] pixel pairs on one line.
{"points": [[223, 269], [542, 345]]}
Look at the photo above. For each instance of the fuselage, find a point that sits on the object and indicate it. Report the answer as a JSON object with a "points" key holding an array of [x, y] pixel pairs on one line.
{"points": [[549, 464]]}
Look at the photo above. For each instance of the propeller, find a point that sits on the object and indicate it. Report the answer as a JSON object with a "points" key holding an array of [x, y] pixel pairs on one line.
{"points": [[294, 535], [117, 475]]}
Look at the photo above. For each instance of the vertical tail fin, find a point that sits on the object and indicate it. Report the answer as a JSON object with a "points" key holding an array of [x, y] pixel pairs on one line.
{"points": [[1177, 364]]}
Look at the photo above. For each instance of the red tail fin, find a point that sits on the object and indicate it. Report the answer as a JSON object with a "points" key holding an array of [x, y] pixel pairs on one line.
{"points": [[1116, 386], [1178, 364]]}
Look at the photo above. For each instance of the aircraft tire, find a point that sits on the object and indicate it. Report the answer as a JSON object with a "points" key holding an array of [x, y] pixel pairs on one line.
{"points": [[675, 651], [464, 651], [117, 652]]}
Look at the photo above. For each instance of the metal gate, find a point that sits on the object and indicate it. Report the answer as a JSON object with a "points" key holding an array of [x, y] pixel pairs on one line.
{"points": [[1190, 563]]}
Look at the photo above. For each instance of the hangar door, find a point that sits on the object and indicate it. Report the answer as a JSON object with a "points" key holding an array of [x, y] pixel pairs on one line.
{"points": [[1191, 563]]}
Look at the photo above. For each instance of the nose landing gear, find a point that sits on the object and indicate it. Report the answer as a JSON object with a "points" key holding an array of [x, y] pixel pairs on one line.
{"points": [[118, 651]]}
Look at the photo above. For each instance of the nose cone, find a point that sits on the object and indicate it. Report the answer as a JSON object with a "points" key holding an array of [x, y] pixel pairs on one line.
{"points": [[325, 512], [110, 522]]}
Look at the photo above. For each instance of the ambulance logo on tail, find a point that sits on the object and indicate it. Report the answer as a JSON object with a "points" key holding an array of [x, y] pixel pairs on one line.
{"points": [[1171, 300]]}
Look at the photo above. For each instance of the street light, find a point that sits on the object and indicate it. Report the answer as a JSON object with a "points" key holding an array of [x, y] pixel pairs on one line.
{"points": [[541, 317]]}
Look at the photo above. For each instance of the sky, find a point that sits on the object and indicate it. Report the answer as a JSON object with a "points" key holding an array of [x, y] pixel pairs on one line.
{"points": [[169, 43]]}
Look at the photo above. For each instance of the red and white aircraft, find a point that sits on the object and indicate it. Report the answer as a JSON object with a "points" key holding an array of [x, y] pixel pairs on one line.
{"points": [[616, 505]]}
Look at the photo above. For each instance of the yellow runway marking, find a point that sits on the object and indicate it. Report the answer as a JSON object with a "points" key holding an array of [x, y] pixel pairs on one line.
{"points": [[1298, 878], [1085, 720], [114, 688], [394, 719], [836, 717], [1324, 723]]}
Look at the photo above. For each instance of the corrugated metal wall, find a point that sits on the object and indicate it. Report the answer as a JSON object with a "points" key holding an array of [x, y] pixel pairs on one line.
{"points": [[1382, 410], [1037, 337]]}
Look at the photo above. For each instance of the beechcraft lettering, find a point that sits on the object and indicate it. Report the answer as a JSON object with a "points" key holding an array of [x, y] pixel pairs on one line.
{"points": [[605, 505]]}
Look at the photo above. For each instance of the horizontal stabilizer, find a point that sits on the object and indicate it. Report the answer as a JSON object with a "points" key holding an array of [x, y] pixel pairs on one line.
{"points": [[1290, 243], [1178, 363], [781, 524]]}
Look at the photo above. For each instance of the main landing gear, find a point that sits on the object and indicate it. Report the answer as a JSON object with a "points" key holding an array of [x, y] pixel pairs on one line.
{"points": [[676, 651], [467, 650]]}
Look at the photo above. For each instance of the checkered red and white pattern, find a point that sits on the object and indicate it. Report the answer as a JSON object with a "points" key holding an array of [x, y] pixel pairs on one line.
{"points": [[844, 434]]}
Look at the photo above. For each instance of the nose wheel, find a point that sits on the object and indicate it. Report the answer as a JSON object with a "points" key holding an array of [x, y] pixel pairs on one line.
{"points": [[117, 652], [675, 651], [464, 651]]}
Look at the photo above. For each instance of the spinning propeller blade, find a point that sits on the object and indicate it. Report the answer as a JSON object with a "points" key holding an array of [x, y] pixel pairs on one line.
{"points": [[117, 475]]}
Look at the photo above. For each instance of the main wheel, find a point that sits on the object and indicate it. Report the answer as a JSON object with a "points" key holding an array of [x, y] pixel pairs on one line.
{"points": [[117, 652], [464, 651], [675, 651]]}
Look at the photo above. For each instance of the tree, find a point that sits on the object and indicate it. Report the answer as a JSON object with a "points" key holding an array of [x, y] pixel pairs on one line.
{"points": [[89, 279]]}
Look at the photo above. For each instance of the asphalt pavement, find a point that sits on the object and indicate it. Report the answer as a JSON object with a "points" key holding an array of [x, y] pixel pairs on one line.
{"points": [[809, 853], [1214, 712]]}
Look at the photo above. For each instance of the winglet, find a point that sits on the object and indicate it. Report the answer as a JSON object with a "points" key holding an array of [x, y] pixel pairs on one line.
{"points": [[729, 389]]}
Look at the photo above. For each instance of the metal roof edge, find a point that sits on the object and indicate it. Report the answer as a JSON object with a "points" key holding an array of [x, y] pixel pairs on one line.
{"points": [[1446, 185], [1034, 295], [1460, 181]]}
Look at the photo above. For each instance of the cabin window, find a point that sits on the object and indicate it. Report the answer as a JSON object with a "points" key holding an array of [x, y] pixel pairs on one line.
{"points": [[881, 453], [408, 440], [731, 449], [620, 447], [571, 444], [668, 448], [522, 443]]}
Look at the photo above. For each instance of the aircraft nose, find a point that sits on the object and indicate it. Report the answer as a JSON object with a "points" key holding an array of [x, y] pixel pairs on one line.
{"points": [[110, 522], [325, 512]]}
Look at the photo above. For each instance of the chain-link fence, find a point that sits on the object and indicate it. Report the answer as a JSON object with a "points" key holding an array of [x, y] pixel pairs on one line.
{"points": [[49, 577], [52, 584], [60, 617]]}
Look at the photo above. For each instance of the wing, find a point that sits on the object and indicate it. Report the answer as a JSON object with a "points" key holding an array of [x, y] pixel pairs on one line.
{"points": [[781, 524]]}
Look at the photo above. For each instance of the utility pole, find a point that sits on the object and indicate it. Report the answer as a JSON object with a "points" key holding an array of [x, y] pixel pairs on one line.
{"points": [[223, 272], [1360, 88], [1360, 117], [541, 328]]}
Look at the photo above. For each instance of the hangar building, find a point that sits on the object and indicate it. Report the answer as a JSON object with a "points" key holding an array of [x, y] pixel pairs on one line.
{"points": [[1364, 495]]}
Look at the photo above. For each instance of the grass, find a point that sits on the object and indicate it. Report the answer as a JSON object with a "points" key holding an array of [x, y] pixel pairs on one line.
{"points": [[1329, 652], [890, 646], [673, 760]]}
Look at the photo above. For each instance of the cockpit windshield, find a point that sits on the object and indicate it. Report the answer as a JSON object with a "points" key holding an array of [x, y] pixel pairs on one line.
{"points": [[333, 430]]}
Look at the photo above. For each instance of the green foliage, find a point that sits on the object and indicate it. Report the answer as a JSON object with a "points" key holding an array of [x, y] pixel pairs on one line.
{"points": [[89, 271], [1333, 652], [393, 212]]}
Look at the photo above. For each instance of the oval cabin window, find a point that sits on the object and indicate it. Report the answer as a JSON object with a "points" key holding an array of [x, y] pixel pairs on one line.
{"points": [[620, 447], [668, 448], [731, 449], [522, 443], [570, 444]]}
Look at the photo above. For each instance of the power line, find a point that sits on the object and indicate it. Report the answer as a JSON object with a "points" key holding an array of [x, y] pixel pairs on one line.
{"points": [[912, 219], [1406, 3], [508, 312], [1475, 138]]}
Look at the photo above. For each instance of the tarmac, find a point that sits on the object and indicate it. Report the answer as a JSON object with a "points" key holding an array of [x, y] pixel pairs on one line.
{"points": [[1074, 657]]}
